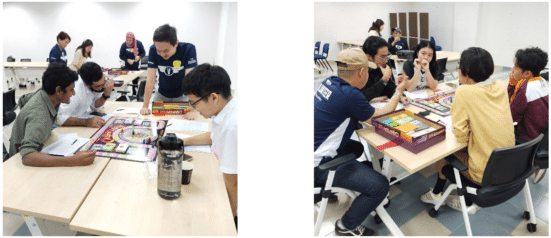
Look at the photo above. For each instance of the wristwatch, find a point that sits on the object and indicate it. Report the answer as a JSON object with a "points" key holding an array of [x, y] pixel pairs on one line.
{"points": [[105, 97]]}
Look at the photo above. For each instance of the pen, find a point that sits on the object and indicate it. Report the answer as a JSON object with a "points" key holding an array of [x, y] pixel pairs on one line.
{"points": [[74, 142], [118, 110]]}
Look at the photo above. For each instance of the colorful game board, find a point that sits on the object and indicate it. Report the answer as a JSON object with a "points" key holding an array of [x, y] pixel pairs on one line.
{"points": [[439, 103], [127, 139], [160, 109]]}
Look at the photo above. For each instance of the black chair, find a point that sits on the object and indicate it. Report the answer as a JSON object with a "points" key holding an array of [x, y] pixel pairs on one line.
{"points": [[143, 65], [542, 157], [9, 107], [323, 192], [5, 153], [140, 93], [506, 173], [441, 68]]}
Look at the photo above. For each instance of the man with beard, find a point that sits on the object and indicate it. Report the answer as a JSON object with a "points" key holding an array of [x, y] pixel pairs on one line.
{"points": [[91, 91]]}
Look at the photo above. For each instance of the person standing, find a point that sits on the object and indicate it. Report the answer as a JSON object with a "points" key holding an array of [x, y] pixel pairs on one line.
{"points": [[83, 51], [58, 52], [131, 52]]}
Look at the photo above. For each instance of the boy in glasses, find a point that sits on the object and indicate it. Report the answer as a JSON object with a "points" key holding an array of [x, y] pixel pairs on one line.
{"points": [[208, 90], [90, 92]]}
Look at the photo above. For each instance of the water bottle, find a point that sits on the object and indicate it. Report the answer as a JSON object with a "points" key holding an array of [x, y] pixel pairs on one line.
{"points": [[169, 164]]}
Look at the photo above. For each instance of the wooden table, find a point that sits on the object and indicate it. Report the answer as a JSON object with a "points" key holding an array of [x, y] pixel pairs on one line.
{"points": [[87, 197], [29, 65], [129, 77], [351, 43], [406, 159]]}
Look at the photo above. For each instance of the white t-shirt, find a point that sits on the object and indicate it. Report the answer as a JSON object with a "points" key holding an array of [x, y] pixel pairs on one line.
{"points": [[224, 137], [83, 99]]}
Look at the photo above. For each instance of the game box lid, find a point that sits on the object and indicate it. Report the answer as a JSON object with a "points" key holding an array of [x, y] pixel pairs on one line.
{"points": [[409, 130]]}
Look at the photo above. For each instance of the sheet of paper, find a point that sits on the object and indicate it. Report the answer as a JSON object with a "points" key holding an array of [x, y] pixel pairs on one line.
{"points": [[65, 145], [185, 125], [383, 104], [87, 115], [127, 110], [196, 148], [416, 94], [447, 121]]}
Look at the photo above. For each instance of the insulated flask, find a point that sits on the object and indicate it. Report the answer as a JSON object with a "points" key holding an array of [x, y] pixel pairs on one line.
{"points": [[169, 164]]}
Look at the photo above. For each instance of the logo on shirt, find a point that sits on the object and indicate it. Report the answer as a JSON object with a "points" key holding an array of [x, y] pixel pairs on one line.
{"points": [[192, 61], [169, 71], [328, 82], [176, 63], [324, 92]]}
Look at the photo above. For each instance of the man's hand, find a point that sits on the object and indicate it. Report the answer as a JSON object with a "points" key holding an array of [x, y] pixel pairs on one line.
{"points": [[387, 72], [145, 111], [83, 158], [95, 122], [401, 87], [401, 78], [405, 101], [109, 85], [396, 39], [130, 61]]}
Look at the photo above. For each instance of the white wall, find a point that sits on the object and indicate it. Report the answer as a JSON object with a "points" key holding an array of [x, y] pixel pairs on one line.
{"points": [[500, 28], [33, 28]]}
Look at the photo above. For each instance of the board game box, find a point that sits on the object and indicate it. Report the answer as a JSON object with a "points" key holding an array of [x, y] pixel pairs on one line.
{"points": [[440, 103], [127, 138], [405, 128], [159, 108]]}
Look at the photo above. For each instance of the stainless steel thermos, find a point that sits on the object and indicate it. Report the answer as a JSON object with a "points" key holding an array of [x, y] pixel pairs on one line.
{"points": [[169, 164]]}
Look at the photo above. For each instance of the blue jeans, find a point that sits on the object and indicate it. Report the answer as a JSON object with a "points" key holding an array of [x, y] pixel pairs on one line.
{"points": [[356, 176]]}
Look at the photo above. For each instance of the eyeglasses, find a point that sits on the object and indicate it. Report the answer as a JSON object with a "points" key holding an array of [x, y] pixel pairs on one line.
{"points": [[193, 103], [384, 58]]}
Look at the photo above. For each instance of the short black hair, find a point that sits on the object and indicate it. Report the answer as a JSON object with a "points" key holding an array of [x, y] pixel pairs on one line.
{"points": [[165, 33], [477, 63], [433, 66], [90, 72], [372, 44], [57, 74], [63, 35], [533, 59], [205, 79]]}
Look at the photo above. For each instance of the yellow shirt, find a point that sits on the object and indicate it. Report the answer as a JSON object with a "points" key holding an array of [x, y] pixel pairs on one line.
{"points": [[481, 117]]}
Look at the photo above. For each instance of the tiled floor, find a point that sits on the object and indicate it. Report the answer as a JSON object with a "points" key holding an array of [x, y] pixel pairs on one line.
{"points": [[411, 215]]}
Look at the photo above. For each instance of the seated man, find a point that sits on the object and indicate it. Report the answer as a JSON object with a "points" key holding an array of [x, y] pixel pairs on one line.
{"points": [[90, 92], [338, 106], [529, 97], [209, 92], [33, 125], [396, 42], [481, 118], [381, 81]]}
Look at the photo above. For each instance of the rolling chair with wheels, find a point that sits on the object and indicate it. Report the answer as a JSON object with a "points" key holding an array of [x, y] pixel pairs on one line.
{"points": [[380, 213], [143, 63], [542, 157], [441, 68], [140, 93], [506, 173]]}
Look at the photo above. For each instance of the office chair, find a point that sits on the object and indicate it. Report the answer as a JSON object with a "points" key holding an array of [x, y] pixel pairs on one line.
{"points": [[143, 62], [506, 173], [380, 213], [441, 68], [437, 48], [8, 114], [141, 91], [542, 157]]}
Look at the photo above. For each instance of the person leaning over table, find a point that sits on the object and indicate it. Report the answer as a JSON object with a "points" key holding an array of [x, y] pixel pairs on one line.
{"points": [[529, 97], [83, 51], [481, 118], [131, 52], [422, 69], [396, 42], [33, 125], [381, 81], [338, 106], [173, 60], [208, 89], [91, 91], [58, 52]]}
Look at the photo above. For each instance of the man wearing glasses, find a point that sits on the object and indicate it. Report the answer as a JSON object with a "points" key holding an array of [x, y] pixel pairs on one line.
{"points": [[91, 91], [381, 81]]}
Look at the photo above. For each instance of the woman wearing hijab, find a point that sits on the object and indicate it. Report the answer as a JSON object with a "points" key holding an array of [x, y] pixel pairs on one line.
{"points": [[131, 52]]}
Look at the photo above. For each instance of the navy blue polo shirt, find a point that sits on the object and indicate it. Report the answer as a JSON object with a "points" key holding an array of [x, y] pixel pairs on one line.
{"points": [[58, 55], [172, 71], [338, 107], [128, 53]]}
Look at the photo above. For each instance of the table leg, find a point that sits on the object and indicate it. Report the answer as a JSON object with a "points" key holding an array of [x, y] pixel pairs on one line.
{"points": [[35, 227]]}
